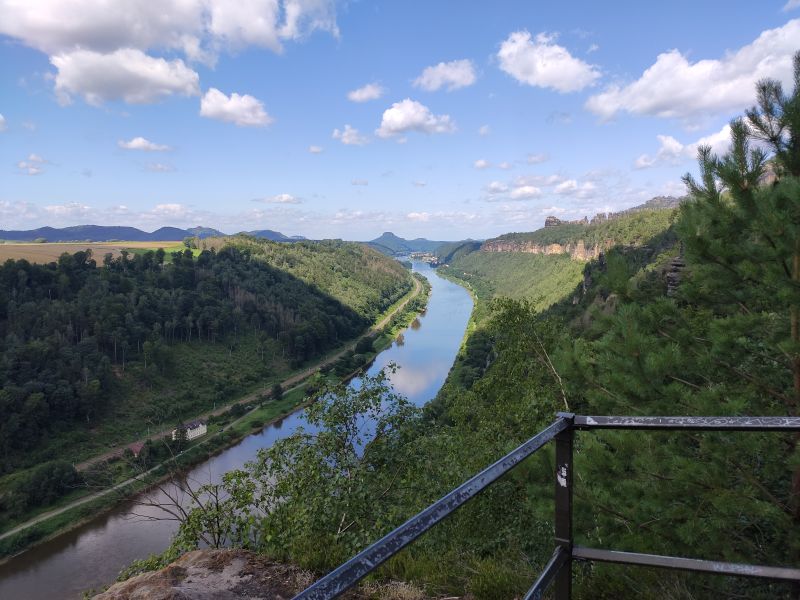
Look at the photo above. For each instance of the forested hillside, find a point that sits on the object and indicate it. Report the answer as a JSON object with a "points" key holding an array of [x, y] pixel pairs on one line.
{"points": [[707, 325], [82, 342], [544, 279], [628, 229], [453, 250]]}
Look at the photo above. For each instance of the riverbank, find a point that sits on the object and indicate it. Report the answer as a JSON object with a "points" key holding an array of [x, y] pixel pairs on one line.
{"points": [[58, 521]]}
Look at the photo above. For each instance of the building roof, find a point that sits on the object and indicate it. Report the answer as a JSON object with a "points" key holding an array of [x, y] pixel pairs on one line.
{"points": [[136, 447]]}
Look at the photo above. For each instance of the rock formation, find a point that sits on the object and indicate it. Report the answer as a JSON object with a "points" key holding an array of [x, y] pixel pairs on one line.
{"points": [[577, 250], [228, 574]]}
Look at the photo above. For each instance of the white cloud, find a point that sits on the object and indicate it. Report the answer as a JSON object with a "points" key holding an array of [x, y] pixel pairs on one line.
{"points": [[484, 130], [409, 115], [315, 149], [791, 5], [33, 165], [592, 48], [243, 110], [481, 164], [531, 186], [673, 152], [539, 180], [420, 183], [280, 199], [571, 187], [69, 210], [126, 74], [359, 182], [453, 75], [673, 87], [54, 26], [199, 29], [170, 210], [350, 136], [157, 167], [442, 218], [497, 187], [3, 125], [371, 91], [535, 159], [542, 63], [505, 165], [140, 143], [525, 192]]}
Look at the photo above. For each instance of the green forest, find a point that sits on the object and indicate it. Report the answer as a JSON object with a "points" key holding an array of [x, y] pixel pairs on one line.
{"points": [[723, 340], [629, 230], [92, 353]]}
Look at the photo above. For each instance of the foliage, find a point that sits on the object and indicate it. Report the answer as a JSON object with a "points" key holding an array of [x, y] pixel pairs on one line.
{"points": [[38, 487], [324, 491], [450, 251], [546, 279], [628, 229], [358, 277], [79, 342]]}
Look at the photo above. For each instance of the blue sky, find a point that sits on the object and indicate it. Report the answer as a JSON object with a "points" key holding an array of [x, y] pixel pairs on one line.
{"points": [[438, 119]]}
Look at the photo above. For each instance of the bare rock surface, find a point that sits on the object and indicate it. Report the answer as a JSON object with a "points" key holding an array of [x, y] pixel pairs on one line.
{"points": [[213, 574], [228, 574]]}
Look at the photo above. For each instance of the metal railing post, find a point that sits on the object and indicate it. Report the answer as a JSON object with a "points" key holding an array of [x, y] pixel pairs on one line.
{"points": [[563, 521]]}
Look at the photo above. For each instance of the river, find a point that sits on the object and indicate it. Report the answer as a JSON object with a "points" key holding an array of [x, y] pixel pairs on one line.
{"points": [[91, 556]]}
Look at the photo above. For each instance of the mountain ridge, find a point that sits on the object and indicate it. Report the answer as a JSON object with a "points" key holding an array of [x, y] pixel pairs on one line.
{"points": [[391, 244], [115, 233]]}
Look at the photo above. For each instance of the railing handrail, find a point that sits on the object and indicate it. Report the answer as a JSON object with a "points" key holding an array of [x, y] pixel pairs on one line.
{"points": [[559, 567]]}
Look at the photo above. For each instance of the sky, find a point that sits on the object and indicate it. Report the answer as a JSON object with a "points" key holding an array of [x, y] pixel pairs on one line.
{"points": [[445, 120]]}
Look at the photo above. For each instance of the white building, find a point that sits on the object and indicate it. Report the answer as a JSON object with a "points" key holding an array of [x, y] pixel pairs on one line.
{"points": [[193, 430]]}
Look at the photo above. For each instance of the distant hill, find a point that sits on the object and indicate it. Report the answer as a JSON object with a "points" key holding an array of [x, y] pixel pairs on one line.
{"points": [[105, 233], [204, 232], [390, 244], [275, 236]]}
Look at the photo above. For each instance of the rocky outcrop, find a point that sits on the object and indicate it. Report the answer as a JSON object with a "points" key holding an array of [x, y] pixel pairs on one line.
{"points": [[577, 250], [552, 221], [672, 274], [215, 574]]}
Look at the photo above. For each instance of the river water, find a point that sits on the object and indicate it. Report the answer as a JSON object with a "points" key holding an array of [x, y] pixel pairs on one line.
{"points": [[92, 555]]}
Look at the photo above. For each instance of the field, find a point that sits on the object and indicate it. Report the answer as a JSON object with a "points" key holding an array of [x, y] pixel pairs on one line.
{"points": [[45, 253]]}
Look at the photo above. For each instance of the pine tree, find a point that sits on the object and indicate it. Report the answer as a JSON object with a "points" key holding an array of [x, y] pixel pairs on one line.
{"points": [[746, 235]]}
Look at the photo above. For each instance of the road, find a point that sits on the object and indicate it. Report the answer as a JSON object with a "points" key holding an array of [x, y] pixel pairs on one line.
{"points": [[286, 384]]}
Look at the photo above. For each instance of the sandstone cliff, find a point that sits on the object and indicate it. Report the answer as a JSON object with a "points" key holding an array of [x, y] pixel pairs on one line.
{"points": [[577, 250], [238, 574]]}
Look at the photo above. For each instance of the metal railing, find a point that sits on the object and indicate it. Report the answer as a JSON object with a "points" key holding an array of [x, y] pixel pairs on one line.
{"points": [[559, 567]]}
